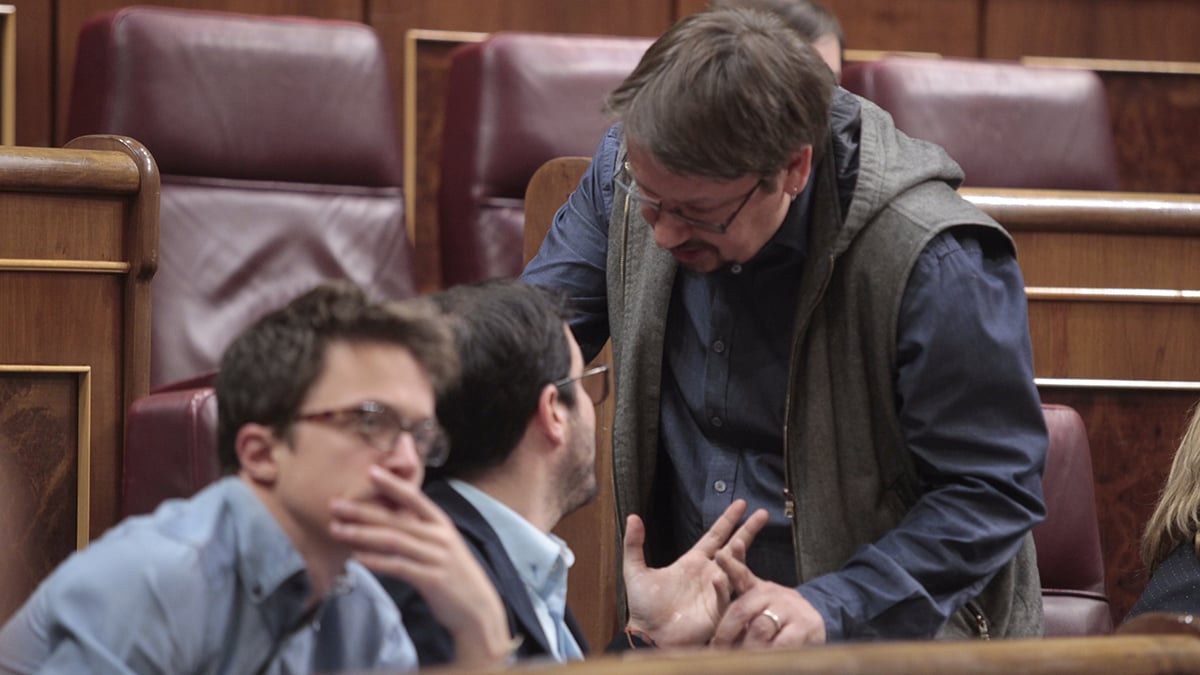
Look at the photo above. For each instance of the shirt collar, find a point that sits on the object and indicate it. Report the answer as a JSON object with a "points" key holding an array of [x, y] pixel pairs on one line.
{"points": [[539, 557], [268, 562]]}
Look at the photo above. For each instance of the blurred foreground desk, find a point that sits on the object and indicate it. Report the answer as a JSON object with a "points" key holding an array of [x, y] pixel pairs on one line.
{"points": [[78, 242], [1173, 647]]}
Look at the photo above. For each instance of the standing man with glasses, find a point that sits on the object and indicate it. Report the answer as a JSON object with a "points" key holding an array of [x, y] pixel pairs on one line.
{"points": [[805, 314], [326, 419], [522, 426]]}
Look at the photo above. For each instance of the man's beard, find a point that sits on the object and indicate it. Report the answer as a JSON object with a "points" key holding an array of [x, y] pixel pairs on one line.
{"points": [[577, 472]]}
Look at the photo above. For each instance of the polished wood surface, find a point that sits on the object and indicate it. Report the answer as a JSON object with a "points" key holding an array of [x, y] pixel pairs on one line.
{"points": [[427, 64], [592, 531], [1127, 654], [78, 242], [1162, 30]]}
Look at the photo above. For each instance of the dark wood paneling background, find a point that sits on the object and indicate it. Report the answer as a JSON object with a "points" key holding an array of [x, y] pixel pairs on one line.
{"points": [[1127, 29]]}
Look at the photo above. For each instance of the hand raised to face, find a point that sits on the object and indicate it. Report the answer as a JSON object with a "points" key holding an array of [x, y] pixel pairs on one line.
{"points": [[406, 535]]}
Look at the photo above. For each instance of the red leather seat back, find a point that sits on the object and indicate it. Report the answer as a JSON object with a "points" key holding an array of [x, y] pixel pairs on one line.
{"points": [[1070, 560], [170, 447], [281, 168], [515, 101], [1006, 124]]}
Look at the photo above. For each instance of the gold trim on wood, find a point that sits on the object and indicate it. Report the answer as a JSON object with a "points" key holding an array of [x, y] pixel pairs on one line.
{"points": [[1085, 383], [860, 55], [1114, 65], [8, 74], [95, 266], [83, 450], [1112, 294]]}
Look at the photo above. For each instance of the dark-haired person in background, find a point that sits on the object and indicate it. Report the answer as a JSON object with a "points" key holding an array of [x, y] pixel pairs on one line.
{"points": [[522, 429], [815, 23], [806, 315], [326, 418]]}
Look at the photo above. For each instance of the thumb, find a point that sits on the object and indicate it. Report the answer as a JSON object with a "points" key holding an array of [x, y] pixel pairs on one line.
{"points": [[635, 539]]}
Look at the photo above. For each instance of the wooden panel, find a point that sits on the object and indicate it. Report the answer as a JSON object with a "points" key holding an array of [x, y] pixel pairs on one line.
{"points": [[427, 60], [1133, 434], [1113, 283], [45, 426], [948, 27], [71, 16], [1115, 340], [35, 73], [78, 239], [1110, 29], [1154, 118], [592, 532]]}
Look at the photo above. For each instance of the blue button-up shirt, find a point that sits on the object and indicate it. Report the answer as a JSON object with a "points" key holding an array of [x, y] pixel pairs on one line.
{"points": [[207, 585]]}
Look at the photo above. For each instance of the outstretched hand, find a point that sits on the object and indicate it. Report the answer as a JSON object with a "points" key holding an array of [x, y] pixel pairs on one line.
{"points": [[764, 614], [412, 539], [680, 605]]}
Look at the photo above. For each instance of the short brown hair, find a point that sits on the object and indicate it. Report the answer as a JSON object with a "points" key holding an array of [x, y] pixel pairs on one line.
{"points": [[725, 94], [268, 369]]}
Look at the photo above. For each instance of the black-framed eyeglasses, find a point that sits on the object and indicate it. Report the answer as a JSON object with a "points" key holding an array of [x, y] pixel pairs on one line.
{"points": [[380, 426], [594, 382], [624, 181]]}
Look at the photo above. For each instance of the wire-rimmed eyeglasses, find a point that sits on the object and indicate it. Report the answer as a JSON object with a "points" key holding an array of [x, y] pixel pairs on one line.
{"points": [[380, 426], [594, 382], [624, 181]]}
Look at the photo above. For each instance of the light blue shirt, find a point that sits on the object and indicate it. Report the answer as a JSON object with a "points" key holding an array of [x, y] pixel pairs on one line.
{"points": [[541, 559], [205, 585]]}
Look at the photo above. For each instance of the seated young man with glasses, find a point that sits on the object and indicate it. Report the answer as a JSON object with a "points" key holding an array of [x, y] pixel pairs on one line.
{"points": [[326, 420], [522, 429]]}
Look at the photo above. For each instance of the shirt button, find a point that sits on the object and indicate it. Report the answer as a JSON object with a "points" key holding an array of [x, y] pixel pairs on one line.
{"points": [[717, 422], [736, 269], [720, 486], [718, 346]]}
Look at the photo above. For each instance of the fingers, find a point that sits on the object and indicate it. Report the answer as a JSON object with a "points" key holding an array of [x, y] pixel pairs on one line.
{"points": [[741, 579], [761, 630], [635, 539], [404, 495], [749, 530], [742, 621], [718, 534]]}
